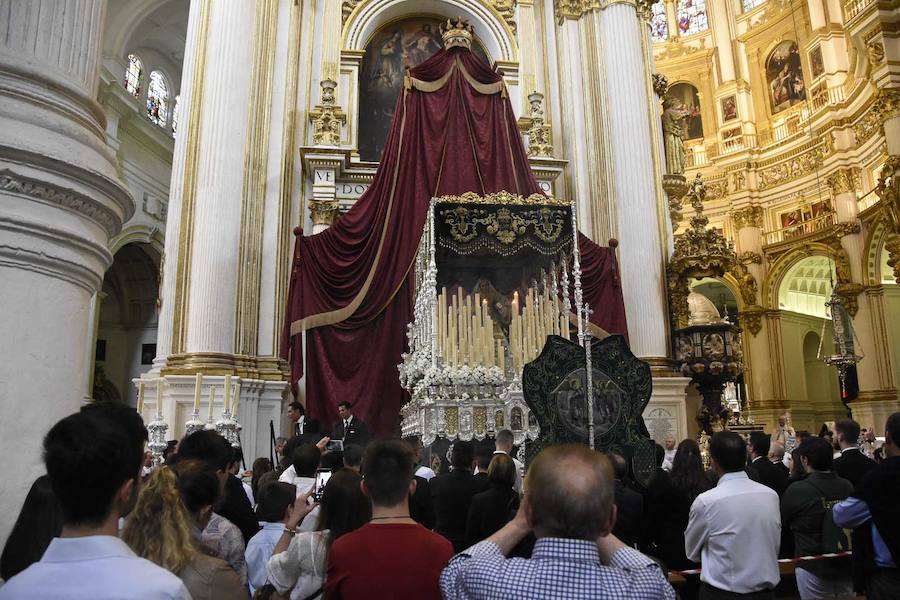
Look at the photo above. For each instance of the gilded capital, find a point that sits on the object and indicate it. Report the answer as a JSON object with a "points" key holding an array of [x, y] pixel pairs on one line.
{"points": [[540, 137], [843, 181], [750, 216], [323, 212]]}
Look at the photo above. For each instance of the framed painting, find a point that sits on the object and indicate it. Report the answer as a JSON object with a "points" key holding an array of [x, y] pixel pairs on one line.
{"points": [[690, 98], [729, 108], [784, 76], [816, 63]]}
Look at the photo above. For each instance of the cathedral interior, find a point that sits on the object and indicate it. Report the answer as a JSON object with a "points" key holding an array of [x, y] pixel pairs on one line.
{"points": [[158, 157]]}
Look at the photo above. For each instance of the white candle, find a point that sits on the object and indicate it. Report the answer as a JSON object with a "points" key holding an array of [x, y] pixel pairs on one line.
{"points": [[227, 393], [140, 402], [159, 384], [237, 399], [197, 385], [212, 400]]}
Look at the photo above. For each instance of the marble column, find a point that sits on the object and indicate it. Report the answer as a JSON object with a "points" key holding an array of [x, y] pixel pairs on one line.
{"points": [[209, 321], [61, 203], [874, 372]]}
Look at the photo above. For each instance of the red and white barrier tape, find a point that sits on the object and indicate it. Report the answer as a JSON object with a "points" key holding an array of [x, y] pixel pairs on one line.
{"points": [[780, 560]]}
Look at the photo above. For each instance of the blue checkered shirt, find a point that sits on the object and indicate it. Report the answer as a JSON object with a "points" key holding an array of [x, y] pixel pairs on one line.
{"points": [[558, 568]]}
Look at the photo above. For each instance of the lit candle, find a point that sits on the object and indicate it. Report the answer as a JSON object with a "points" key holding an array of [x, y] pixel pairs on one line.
{"points": [[212, 400], [227, 393], [140, 402], [197, 385]]}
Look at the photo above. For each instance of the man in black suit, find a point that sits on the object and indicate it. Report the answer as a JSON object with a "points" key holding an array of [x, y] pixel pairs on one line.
{"points": [[630, 505], [852, 464], [776, 455], [452, 494], [761, 468], [348, 428], [307, 429]]}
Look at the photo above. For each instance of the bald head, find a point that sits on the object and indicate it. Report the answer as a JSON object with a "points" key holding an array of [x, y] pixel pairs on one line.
{"points": [[776, 452], [569, 490]]}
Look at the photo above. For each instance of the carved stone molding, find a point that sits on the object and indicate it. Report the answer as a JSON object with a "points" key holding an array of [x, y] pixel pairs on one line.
{"points": [[507, 10], [575, 9], [347, 7], [327, 118], [68, 199], [751, 319], [794, 167], [540, 136], [844, 181], [885, 105], [750, 216], [749, 257]]}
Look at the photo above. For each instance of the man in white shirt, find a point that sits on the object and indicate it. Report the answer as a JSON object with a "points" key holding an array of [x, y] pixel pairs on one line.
{"points": [[93, 459], [783, 432], [504, 445], [669, 456], [734, 529], [302, 474]]}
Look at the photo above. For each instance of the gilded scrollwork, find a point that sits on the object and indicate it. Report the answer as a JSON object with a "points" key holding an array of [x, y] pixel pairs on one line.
{"points": [[750, 216], [888, 190], [843, 181], [327, 118], [501, 197]]}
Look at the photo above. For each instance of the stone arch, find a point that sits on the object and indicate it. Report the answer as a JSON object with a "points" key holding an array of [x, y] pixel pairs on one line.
{"points": [[491, 29], [874, 246], [139, 233], [776, 274]]}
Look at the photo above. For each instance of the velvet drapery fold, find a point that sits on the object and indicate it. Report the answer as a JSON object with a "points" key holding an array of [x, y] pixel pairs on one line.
{"points": [[351, 287]]}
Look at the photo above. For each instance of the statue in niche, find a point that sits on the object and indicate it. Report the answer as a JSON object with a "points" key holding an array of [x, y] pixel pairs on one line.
{"points": [[673, 123]]}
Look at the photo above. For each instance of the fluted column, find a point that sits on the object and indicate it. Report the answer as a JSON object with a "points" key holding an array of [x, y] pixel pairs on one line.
{"points": [[60, 203], [635, 178], [210, 318], [874, 372]]}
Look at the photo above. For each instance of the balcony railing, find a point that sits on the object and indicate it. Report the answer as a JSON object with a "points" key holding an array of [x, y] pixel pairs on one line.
{"points": [[799, 230], [854, 7], [867, 201], [695, 156]]}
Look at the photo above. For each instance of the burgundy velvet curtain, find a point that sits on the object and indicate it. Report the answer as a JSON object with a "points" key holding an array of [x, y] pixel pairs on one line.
{"points": [[351, 286]]}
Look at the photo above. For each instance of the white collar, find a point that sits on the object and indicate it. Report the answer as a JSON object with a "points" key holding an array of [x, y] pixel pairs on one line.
{"points": [[732, 476], [90, 547], [850, 449]]}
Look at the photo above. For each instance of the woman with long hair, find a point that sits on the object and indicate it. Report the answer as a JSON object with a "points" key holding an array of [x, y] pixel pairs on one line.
{"points": [[688, 475], [164, 527], [261, 466], [689, 481], [39, 521], [299, 559]]}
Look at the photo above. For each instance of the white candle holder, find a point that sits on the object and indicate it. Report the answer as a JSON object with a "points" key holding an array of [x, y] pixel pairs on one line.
{"points": [[194, 424], [158, 443]]}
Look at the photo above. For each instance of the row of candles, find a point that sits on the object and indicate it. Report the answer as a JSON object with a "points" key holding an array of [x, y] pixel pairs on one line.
{"points": [[465, 329], [229, 406]]}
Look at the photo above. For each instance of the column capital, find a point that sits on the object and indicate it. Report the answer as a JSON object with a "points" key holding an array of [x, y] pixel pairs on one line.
{"points": [[749, 216], [323, 212], [844, 180], [575, 9]]}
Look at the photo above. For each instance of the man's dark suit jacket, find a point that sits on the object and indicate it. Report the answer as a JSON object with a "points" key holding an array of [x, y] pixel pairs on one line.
{"points": [[490, 510], [421, 506], [630, 517], [452, 494], [783, 468], [357, 433], [310, 426], [768, 474], [853, 465], [236, 508]]}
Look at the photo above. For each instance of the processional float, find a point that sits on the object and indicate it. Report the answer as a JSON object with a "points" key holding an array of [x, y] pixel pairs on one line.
{"points": [[492, 283]]}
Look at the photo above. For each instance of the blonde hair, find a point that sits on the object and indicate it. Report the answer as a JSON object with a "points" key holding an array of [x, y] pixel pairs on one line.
{"points": [[158, 528]]}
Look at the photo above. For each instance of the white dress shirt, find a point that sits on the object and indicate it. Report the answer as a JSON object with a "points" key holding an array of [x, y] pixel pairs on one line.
{"points": [[668, 459], [424, 472], [96, 567], [259, 551], [734, 531]]}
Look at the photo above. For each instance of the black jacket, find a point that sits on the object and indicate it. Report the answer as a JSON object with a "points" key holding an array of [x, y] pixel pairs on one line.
{"points": [[490, 510], [666, 517], [452, 494], [769, 475], [853, 465], [629, 522], [236, 508], [357, 433], [311, 427], [802, 512], [421, 506]]}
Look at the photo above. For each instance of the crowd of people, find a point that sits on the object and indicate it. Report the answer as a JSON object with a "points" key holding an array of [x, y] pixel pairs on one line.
{"points": [[364, 519]]}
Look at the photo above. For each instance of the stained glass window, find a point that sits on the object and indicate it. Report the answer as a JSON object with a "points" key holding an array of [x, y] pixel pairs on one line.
{"points": [[658, 27], [692, 16], [134, 74], [751, 4], [158, 99], [175, 114]]}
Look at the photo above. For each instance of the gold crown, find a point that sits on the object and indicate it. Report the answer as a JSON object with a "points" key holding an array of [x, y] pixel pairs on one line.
{"points": [[457, 33]]}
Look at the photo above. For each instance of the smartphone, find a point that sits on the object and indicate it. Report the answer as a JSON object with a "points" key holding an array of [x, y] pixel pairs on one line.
{"points": [[335, 446], [322, 477]]}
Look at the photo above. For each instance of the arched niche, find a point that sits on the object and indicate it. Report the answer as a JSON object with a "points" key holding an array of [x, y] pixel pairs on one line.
{"points": [[490, 28], [723, 293], [782, 270], [878, 272]]}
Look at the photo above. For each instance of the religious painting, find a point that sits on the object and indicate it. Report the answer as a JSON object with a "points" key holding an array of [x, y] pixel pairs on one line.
{"points": [[571, 402], [784, 76], [791, 218], [690, 98], [731, 133], [729, 108], [816, 64], [396, 47]]}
